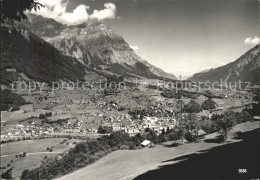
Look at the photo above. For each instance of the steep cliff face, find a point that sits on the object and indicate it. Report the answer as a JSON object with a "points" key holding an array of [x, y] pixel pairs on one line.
{"points": [[94, 45], [246, 68], [26, 55]]}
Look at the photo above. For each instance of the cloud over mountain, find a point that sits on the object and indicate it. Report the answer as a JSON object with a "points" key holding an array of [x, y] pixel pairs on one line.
{"points": [[252, 40], [56, 9], [108, 13]]}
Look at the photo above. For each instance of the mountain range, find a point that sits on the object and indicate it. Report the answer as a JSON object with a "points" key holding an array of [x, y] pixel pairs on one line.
{"points": [[246, 68], [43, 49], [95, 46]]}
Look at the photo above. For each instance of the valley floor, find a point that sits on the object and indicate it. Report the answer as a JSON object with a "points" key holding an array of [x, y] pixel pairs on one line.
{"points": [[202, 160]]}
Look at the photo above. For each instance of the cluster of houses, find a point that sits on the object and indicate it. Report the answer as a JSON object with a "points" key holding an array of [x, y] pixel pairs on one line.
{"points": [[72, 126], [158, 124], [27, 130], [154, 123], [37, 128]]}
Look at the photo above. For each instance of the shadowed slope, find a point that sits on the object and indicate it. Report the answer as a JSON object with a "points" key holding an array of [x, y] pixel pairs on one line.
{"points": [[26, 53], [222, 162]]}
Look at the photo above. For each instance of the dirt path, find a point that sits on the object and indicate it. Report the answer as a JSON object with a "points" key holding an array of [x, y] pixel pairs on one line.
{"points": [[27, 154]]}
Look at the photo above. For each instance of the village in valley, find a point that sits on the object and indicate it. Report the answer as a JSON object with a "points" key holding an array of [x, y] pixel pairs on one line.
{"points": [[72, 116], [79, 102], [86, 112]]}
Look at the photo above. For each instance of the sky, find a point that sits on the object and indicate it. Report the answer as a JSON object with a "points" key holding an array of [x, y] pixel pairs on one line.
{"points": [[182, 37]]}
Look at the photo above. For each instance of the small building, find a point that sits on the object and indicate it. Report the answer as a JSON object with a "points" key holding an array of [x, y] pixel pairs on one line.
{"points": [[146, 143], [116, 127], [150, 119], [201, 134], [256, 118]]}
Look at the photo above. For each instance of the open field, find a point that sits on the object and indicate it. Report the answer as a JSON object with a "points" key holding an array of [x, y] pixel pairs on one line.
{"points": [[128, 164], [30, 146], [31, 161], [228, 102], [36, 150]]}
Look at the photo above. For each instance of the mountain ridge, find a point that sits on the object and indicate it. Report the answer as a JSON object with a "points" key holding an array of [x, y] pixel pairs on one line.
{"points": [[95, 45], [246, 68], [27, 56]]}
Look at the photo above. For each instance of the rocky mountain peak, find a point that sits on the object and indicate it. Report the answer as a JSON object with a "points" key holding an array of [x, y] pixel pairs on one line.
{"points": [[93, 44]]}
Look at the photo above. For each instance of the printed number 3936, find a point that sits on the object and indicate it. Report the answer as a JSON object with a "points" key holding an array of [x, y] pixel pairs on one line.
{"points": [[242, 171]]}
